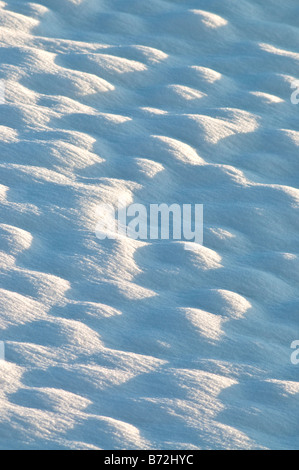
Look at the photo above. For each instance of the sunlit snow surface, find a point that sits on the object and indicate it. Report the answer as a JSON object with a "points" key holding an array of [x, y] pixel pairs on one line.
{"points": [[141, 345]]}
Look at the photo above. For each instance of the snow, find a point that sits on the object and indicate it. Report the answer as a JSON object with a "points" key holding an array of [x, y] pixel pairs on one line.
{"points": [[129, 344]]}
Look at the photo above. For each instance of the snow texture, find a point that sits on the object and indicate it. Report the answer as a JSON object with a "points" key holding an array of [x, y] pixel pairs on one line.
{"points": [[123, 344]]}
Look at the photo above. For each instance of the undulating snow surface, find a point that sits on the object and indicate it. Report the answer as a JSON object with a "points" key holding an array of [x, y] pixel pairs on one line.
{"points": [[141, 345]]}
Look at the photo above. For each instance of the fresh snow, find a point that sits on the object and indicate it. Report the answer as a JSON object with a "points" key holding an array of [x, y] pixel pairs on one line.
{"points": [[129, 344]]}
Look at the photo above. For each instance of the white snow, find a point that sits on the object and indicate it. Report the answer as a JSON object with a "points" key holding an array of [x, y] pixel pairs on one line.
{"points": [[127, 344]]}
